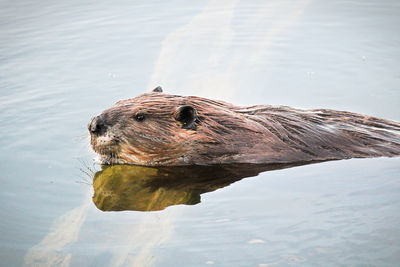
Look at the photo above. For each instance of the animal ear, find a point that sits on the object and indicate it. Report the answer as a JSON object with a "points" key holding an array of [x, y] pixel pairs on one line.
{"points": [[187, 115], [158, 89]]}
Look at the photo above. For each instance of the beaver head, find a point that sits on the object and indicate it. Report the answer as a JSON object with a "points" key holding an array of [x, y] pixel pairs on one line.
{"points": [[161, 129]]}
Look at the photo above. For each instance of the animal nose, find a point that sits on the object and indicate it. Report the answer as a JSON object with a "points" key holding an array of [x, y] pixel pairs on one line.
{"points": [[97, 125]]}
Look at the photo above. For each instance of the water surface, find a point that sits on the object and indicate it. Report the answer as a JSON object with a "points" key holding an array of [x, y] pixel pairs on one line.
{"points": [[62, 63]]}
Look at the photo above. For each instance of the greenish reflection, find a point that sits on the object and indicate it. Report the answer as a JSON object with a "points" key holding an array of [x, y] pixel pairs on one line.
{"points": [[126, 187]]}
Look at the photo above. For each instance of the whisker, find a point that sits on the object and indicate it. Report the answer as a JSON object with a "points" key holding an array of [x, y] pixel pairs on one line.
{"points": [[83, 136]]}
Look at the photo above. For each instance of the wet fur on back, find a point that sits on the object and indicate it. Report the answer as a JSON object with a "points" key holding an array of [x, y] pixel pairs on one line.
{"points": [[162, 129]]}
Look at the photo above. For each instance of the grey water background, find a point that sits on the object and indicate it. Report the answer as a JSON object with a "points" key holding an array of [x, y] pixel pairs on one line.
{"points": [[63, 62]]}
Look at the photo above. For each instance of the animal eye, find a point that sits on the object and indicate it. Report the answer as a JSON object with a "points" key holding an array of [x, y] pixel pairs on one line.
{"points": [[139, 117]]}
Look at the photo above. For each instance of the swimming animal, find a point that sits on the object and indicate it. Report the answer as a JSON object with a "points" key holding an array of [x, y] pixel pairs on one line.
{"points": [[158, 129]]}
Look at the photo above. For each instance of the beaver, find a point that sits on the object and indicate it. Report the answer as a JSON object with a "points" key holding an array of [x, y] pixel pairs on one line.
{"points": [[158, 129]]}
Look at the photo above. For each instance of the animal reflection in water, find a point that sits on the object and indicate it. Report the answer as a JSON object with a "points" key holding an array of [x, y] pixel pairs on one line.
{"points": [[128, 187]]}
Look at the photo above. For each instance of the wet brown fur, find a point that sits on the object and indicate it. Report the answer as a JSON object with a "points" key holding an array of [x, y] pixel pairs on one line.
{"points": [[225, 133]]}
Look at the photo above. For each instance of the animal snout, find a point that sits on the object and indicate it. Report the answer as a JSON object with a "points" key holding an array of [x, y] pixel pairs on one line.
{"points": [[97, 125]]}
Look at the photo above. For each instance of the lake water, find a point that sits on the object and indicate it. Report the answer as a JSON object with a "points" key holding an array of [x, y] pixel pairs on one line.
{"points": [[63, 62]]}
